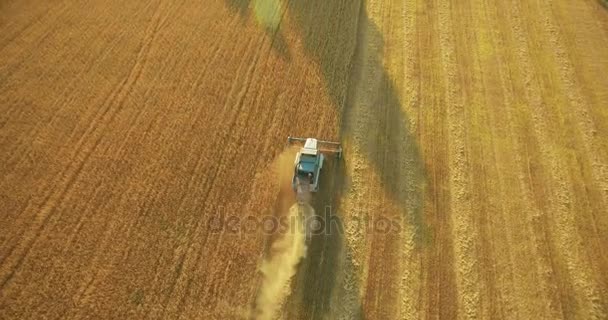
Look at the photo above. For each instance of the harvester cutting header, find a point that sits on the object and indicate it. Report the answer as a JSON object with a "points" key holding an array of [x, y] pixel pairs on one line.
{"points": [[309, 162]]}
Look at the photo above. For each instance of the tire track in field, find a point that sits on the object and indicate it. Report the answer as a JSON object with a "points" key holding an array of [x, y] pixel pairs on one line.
{"points": [[241, 120], [580, 42], [484, 163], [552, 270], [492, 189], [235, 99], [208, 183], [437, 296], [65, 97], [527, 290], [102, 261], [578, 264], [580, 106], [524, 282], [246, 122], [120, 153], [464, 232], [70, 174], [496, 223], [36, 133], [237, 108], [564, 243], [117, 97], [582, 29], [408, 56], [207, 186], [106, 233], [198, 163], [535, 289]]}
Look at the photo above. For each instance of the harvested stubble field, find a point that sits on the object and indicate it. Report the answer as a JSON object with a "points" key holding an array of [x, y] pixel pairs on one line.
{"points": [[475, 132]]}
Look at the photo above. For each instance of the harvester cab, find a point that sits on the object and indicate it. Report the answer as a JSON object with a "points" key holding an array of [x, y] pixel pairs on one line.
{"points": [[309, 162]]}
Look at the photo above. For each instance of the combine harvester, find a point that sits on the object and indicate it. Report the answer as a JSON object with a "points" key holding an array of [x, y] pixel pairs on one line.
{"points": [[308, 165]]}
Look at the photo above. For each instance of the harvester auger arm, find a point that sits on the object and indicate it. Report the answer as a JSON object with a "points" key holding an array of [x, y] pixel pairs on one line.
{"points": [[334, 147], [291, 139]]}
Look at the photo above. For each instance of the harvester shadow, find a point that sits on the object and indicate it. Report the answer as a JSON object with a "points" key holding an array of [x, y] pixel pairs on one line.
{"points": [[373, 121], [383, 133], [382, 126]]}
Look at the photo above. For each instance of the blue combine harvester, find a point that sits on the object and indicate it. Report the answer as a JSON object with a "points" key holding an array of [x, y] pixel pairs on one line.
{"points": [[308, 164]]}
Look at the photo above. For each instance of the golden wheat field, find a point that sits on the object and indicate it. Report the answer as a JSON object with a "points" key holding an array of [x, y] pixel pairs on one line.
{"points": [[143, 152]]}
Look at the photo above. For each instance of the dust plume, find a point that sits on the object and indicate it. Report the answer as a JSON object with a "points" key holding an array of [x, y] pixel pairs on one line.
{"points": [[288, 247], [283, 167]]}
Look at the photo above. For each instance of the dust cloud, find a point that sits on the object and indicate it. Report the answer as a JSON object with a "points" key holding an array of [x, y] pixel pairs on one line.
{"points": [[288, 248]]}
